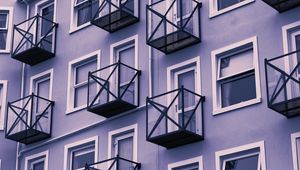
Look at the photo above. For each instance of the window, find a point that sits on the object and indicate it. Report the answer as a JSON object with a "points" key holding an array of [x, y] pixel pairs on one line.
{"points": [[3, 94], [6, 26], [82, 12], [80, 153], [126, 51], [295, 139], [251, 156], [189, 164], [37, 162], [78, 80], [123, 142], [235, 76], [218, 7]]}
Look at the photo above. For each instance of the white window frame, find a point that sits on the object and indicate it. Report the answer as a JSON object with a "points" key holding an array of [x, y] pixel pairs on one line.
{"points": [[3, 104], [257, 145], [43, 155], [131, 130], [186, 162], [9, 26], [213, 7], [294, 137], [48, 74], [69, 148], [115, 47], [217, 109], [71, 73]]}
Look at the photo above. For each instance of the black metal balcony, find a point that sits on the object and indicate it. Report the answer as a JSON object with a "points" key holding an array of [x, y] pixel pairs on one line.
{"points": [[283, 84], [113, 89], [116, 163], [283, 5], [175, 118], [34, 40], [29, 119], [169, 31], [113, 16]]}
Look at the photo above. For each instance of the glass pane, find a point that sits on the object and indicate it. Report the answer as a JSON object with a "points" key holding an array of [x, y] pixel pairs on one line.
{"points": [[42, 90], [186, 6], [80, 96], [187, 80], [298, 48], [3, 19], [125, 150], [226, 3], [84, 14], [3, 35], [232, 64], [129, 94], [83, 70], [47, 13], [194, 166], [46, 43], [80, 159], [238, 90], [126, 57], [248, 163], [38, 166]]}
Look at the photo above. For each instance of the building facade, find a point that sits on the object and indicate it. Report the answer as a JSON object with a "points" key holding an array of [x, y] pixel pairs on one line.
{"points": [[150, 85]]}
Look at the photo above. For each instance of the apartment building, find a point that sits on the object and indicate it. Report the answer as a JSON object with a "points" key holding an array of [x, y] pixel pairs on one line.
{"points": [[149, 85]]}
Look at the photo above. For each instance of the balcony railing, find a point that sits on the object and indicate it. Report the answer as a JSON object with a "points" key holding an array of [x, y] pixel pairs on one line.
{"points": [[113, 89], [175, 118], [173, 25], [115, 15], [116, 163], [283, 5], [34, 40], [283, 83], [29, 119]]}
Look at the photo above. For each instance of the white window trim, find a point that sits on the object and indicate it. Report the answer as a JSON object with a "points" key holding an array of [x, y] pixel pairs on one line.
{"points": [[294, 137], [9, 29], [46, 2], [0, 164], [70, 109], [198, 160], [78, 144], [214, 59], [113, 46], [134, 129], [213, 7], [41, 154], [3, 104], [260, 145], [39, 76]]}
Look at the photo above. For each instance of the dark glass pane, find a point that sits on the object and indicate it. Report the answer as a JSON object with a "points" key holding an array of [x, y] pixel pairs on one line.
{"points": [[80, 160], [226, 3], [248, 163], [3, 35], [48, 14], [188, 81], [3, 20], [193, 166], [237, 90], [125, 150], [298, 48], [38, 166]]}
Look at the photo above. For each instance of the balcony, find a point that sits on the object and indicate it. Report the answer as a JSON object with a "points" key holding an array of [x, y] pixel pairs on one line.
{"points": [[115, 15], [175, 118], [34, 40], [113, 89], [173, 25], [116, 163], [283, 84], [283, 5], [30, 123]]}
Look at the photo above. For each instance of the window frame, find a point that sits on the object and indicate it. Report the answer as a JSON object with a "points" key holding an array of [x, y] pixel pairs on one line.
{"points": [[9, 25], [187, 162], [42, 155], [294, 137], [4, 84], [216, 90], [78, 145], [256, 145], [38, 78], [96, 55], [123, 133], [214, 11]]}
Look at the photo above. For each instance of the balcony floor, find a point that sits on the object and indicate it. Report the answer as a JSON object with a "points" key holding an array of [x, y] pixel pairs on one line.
{"points": [[176, 138], [33, 56], [28, 136], [114, 21], [174, 41], [112, 108], [285, 6], [289, 108]]}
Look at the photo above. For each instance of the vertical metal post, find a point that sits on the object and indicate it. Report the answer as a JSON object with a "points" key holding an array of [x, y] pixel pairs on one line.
{"points": [[182, 106], [31, 112], [36, 30], [147, 120], [180, 9], [267, 87], [88, 90], [117, 162], [118, 77]]}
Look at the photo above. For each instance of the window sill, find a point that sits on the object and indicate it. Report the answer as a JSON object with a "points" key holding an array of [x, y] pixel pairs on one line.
{"points": [[73, 110], [214, 12], [75, 29], [4, 51], [236, 106]]}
